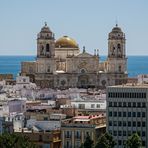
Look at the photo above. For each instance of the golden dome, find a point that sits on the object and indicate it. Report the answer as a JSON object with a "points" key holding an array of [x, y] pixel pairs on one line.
{"points": [[66, 42]]}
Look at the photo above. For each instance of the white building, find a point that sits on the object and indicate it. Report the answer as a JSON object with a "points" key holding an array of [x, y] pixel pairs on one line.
{"points": [[18, 122], [143, 79], [88, 104], [127, 112], [24, 82]]}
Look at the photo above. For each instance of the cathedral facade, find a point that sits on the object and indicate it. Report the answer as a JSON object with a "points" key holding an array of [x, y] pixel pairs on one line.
{"points": [[60, 64]]}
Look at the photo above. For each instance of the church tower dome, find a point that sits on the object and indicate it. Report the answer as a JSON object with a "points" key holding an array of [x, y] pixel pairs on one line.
{"points": [[45, 43]]}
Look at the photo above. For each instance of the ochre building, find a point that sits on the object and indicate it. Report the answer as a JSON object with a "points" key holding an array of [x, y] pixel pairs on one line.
{"points": [[61, 64]]}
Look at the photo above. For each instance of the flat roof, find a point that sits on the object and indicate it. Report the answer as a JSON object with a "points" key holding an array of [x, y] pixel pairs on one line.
{"points": [[130, 85]]}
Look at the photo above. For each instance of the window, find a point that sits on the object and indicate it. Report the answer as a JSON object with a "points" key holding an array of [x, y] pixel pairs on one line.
{"points": [[118, 45], [115, 104], [124, 133], [134, 104], [48, 69], [81, 106], [98, 105], [143, 104], [143, 124], [45, 118], [129, 123], [115, 114], [134, 123], [129, 114], [110, 104], [138, 114], [115, 123], [124, 123], [78, 134], [138, 104], [115, 133], [47, 47], [119, 123], [120, 104], [119, 68], [134, 114], [110, 123], [138, 124], [119, 142], [124, 104], [119, 133], [124, 114], [68, 134], [92, 105], [129, 104], [143, 133], [119, 114], [143, 114], [110, 114]]}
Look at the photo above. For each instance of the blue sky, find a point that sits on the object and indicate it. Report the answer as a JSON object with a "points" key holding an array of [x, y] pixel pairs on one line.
{"points": [[87, 21]]}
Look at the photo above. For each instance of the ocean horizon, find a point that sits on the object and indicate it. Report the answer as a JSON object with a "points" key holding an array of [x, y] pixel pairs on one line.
{"points": [[12, 64]]}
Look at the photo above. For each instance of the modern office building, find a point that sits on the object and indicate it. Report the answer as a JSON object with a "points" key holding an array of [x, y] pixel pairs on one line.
{"points": [[127, 112]]}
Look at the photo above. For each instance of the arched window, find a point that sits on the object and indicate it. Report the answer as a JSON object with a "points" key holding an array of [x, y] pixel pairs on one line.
{"points": [[48, 69], [119, 68], [41, 50], [118, 46], [47, 47]]}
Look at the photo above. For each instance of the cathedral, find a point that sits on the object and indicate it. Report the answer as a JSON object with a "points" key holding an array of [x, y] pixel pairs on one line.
{"points": [[60, 63]]}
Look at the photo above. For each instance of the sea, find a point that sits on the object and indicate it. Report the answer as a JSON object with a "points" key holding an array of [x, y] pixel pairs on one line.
{"points": [[12, 64]]}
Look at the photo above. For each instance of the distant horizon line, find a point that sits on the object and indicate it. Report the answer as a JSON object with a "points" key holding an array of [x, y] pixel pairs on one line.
{"points": [[35, 55]]}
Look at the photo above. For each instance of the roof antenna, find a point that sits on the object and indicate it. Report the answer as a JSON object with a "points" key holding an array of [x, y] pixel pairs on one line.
{"points": [[45, 23]]}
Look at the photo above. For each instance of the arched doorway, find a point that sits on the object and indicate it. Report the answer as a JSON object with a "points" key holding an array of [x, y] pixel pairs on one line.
{"points": [[83, 81]]}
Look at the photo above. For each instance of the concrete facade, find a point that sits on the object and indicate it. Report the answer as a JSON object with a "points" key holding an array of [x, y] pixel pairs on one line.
{"points": [[127, 112]]}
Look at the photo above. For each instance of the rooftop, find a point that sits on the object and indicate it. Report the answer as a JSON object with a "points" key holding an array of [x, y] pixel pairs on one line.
{"points": [[130, 85]]}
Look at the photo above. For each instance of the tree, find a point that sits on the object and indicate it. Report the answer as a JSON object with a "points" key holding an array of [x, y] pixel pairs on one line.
{"points": [[88, 143], [105, 141], [134, 141], [14, 141]]}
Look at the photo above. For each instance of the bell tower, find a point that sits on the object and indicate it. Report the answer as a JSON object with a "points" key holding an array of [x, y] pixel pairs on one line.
{"points": [[45, 43], [117, 61]]}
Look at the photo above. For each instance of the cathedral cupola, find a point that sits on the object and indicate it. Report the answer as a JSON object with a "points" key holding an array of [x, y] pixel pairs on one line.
{"points": [[45, 43]]}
